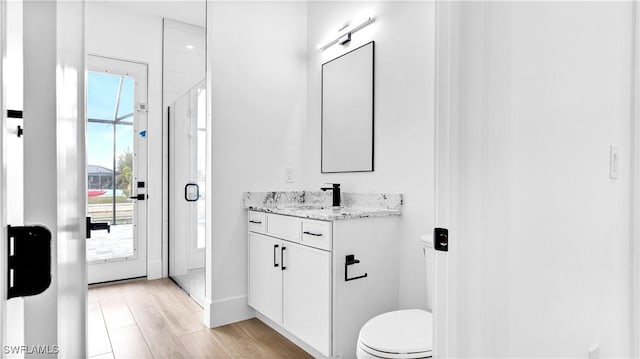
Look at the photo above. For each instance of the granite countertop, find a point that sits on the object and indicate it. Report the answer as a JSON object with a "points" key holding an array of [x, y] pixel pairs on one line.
{"points": [[317, 204]]}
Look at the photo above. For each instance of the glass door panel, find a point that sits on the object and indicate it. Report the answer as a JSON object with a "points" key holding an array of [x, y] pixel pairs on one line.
{"points": [[110, 146], [187, 215]]}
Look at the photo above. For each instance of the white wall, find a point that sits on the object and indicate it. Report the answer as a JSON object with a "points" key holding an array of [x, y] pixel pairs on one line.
{"points": [[118, 33], [404, 35], [258, 93], [542, 234]]}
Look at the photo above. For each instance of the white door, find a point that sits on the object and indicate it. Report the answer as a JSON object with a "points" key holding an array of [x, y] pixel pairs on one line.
{"points": [[42, 180], [306, 298], [265, 275], [116, 169], [187, 216], [445, 323]]}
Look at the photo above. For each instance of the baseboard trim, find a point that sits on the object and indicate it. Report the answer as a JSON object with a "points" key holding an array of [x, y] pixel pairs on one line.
{"points": [[227, 311]]}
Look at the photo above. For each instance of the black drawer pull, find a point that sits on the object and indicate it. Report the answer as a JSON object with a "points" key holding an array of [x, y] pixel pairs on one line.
{"points": [[275, 247], [256, 222], [312, 234], [282, 249]]}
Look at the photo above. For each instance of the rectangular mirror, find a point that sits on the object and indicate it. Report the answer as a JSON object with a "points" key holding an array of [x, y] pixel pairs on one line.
{"points": [[347, 112]]}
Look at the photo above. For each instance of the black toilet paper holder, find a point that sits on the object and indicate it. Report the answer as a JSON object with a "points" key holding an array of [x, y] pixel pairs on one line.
{"points": [[350, 260]]}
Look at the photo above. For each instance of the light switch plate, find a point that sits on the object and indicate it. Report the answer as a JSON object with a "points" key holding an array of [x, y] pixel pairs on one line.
{"points": [[614, 162]]}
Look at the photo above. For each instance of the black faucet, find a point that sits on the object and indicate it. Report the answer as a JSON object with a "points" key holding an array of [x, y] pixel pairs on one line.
{"points": [[335, 190]]}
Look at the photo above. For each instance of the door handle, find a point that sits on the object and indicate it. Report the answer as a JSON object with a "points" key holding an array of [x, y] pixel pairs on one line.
{"points": [[282, 267], [275, 248], [96, 226], [139, 197]]}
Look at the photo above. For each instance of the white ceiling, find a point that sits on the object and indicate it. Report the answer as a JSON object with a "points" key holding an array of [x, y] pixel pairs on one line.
{"points": [[189, 11]]}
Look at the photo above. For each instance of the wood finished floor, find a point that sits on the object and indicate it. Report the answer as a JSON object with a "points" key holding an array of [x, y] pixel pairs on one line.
{"points": [[156, 319]]}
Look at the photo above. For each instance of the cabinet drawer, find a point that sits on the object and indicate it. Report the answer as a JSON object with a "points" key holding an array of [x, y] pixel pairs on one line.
{"points": [[257, 221], [284, 227], [317, 234]]}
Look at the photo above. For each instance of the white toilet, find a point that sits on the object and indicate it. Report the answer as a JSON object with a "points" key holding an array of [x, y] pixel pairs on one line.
{"points": [[405, 334]]}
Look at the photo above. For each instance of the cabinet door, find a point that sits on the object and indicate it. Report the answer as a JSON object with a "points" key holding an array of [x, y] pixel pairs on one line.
{"points": [[265, 278], [307, 295]]}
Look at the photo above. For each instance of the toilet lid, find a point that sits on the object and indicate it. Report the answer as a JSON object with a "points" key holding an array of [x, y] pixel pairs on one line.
{"points": [[400, 331]]}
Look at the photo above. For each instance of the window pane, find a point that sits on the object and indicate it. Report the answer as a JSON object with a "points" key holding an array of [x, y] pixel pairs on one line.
{"points": [[102, 90], [109, 187], [125, 111], [124, 174]]}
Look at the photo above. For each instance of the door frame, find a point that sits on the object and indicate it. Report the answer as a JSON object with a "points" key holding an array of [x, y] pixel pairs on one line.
{"points": [[136, 265], [635, 190], [445, 296], [3, 175]]}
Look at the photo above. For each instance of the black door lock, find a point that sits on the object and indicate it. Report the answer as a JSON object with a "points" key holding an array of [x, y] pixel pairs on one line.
{"points": [[29, 261], [441, 239]]}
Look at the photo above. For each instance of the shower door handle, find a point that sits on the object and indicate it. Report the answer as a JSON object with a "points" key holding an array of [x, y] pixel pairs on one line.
{"points": [[191, 192]]}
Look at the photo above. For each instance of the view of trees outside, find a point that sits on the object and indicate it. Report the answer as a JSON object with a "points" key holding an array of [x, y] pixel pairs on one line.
{"points": [[125, 171]]}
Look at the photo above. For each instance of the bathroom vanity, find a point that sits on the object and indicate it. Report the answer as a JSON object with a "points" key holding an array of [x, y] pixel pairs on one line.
{"points": [[317, 273]]}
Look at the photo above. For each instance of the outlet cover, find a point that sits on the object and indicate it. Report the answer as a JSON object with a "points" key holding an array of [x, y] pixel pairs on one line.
{"points": [[614, 162], [288, 174]]}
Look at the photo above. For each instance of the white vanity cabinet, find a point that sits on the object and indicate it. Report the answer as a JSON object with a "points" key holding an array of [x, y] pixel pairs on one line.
{"points": [[265, 276], [297, 277], [291, 284]]}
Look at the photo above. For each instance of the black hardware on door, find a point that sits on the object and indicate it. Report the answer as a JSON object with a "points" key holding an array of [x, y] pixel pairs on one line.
{"points": [[275, 248], [441, 239], [139, 197], [350, 260], [14, 113], [191, 192], [141, 184], [97, 226], [282, 249], [254, 222], [29, 261]]}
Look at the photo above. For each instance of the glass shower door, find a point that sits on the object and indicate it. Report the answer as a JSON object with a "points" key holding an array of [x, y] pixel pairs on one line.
{"points": [[187, 216]]}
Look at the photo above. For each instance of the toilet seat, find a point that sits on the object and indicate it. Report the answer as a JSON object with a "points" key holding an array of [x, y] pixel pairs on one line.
{"points": [[399, 334]]}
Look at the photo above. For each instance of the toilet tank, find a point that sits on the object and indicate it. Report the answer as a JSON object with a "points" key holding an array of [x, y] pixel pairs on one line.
{"points": [[429, 264]]}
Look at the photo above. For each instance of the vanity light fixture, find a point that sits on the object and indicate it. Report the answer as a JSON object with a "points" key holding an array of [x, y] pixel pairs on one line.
{"points": [[344, 35]]}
